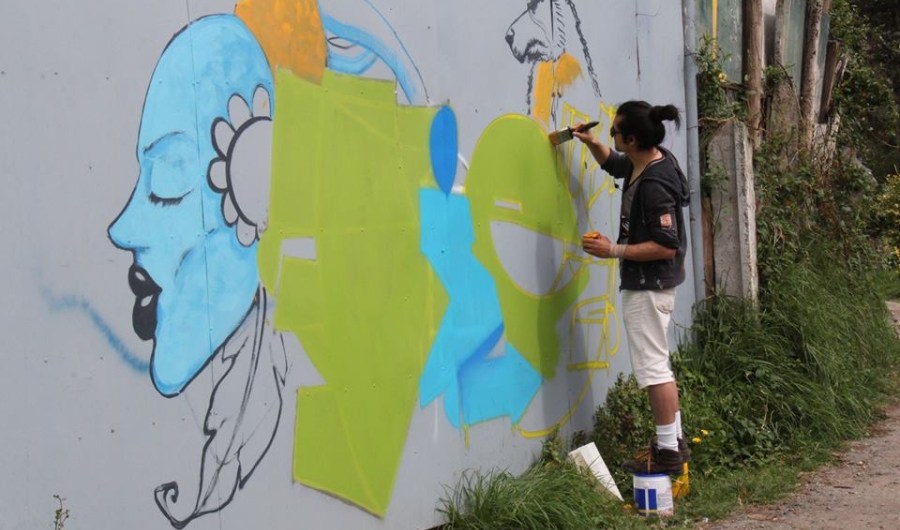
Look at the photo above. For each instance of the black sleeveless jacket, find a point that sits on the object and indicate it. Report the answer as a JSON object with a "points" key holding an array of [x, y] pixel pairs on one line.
{"points": [[657, 214]]}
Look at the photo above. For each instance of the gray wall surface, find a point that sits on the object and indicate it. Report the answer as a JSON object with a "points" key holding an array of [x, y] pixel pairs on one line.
{"points": [[300, 264]]}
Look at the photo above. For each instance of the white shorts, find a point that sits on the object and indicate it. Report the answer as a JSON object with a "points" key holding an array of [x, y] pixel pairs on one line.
{"points": [[646, 315]]}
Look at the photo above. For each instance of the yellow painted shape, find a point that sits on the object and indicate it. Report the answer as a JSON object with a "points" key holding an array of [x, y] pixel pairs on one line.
{"points": [[348, 164], [290, 33], [576, 157], [514, 163], [715, 23], [550, 80], [566, 72], [607, 319], [543, 91]]}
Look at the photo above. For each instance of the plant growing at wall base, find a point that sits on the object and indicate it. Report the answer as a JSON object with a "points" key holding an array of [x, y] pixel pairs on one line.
{"points": [[624, 422], [60, 515], [553, 450], [718, 101], [715, 92], [561, 497]]}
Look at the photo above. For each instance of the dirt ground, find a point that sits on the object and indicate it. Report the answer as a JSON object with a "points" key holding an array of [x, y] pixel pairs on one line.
{"points": [[861, 489]]}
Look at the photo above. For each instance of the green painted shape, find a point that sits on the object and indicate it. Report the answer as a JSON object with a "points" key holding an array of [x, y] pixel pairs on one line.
{"points": [[348, 163], [513, 162]]}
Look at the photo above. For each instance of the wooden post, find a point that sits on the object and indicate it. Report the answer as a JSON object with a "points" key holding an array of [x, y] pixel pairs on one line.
{"points": [[830, 75], [753, 66], [810, 75]]}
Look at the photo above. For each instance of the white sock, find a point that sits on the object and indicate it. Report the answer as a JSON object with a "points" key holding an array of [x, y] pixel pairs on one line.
{"points": [[678, 431], [665, 437]]}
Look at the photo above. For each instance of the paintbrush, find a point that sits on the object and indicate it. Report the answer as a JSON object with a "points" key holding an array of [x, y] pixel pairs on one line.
{"points": [[564, 135]]}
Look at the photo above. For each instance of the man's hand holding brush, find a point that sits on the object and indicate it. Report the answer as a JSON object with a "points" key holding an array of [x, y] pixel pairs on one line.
{"points": [[599, 150], [583, 133]]}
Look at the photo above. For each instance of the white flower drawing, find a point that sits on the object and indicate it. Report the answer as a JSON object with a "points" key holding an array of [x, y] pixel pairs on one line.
{"points": [[241, 171]]}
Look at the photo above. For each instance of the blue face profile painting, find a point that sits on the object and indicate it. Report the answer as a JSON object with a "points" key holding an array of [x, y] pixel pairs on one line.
{"points": [[193, 280], [193, 224]]}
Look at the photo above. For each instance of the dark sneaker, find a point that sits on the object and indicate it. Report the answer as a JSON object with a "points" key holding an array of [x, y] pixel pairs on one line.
{"points": [[660, 461], [683, 448]]}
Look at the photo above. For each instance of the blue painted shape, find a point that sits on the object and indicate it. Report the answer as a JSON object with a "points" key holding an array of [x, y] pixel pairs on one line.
{"points": [[173, 222], [356, 65], [444, 146], [475, 386], [82, 305], [500, 386], [399, 61]]}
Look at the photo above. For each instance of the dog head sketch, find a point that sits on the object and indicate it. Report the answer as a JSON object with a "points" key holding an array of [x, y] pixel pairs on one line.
{"points": [[543, 33]]}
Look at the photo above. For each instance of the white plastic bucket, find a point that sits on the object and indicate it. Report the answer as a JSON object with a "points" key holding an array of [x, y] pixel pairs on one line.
{"points": [[653, 495]]}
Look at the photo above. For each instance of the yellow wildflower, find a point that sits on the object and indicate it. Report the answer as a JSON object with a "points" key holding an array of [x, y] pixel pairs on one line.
{"points": [[696, 440], [704, 432]]}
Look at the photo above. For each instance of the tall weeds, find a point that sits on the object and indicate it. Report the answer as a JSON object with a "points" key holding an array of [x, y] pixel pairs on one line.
{"points": [[561, 497], [803, 370]]}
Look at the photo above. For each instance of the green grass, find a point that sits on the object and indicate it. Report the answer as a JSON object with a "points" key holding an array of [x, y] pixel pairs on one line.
{"points": [[716, 497], [560, 497], [887, 284]]}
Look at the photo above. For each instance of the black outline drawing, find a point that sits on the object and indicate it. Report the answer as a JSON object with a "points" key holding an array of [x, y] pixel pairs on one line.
{"points": [[233, 449], [550, 23]]}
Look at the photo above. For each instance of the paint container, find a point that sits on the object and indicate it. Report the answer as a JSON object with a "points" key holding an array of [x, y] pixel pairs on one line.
{"points": [[653, 495]]}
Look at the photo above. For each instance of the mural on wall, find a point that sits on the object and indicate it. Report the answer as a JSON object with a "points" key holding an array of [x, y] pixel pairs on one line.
{"points": [[561, 72], [198, 212], [540, 37], [194, 276], [282, 192], [479, 373], [363, 300], [592, 333]]}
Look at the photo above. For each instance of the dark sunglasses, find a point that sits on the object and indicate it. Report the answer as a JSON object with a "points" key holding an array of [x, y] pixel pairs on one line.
{"points": [[613, 132]]}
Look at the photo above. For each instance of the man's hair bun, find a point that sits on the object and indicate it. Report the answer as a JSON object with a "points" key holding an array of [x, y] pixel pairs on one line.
{"points": [[661, 113]]}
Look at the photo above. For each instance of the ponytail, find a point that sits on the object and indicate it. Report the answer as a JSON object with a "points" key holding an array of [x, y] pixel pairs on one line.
{"points": [[661, 113], [645, 122]]}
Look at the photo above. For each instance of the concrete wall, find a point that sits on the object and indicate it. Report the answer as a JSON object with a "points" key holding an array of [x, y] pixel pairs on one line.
{"points": [[300, 265], [733, 211]]}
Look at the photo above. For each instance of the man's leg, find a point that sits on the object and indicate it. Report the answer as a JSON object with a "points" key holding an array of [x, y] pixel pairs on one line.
{"points": [[664, 402], [646, 316]]}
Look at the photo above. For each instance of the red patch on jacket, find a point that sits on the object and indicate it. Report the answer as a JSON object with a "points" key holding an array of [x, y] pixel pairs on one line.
{"points": [[665, 220]]}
